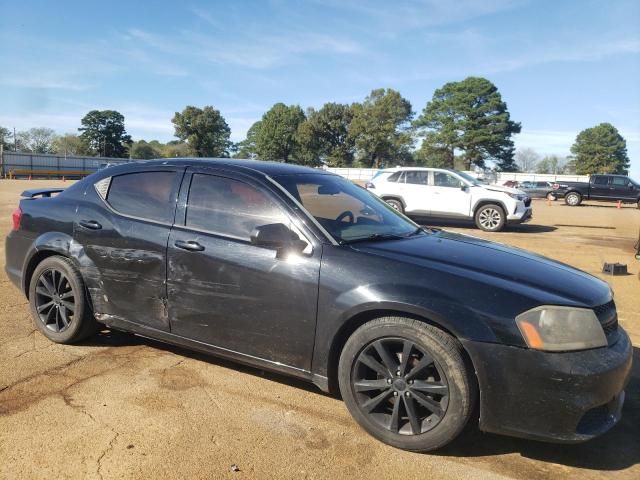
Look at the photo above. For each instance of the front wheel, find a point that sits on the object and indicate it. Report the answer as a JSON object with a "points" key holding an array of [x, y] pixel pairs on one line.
{"points": [[490, 218], [573, 199], [406, 383]]}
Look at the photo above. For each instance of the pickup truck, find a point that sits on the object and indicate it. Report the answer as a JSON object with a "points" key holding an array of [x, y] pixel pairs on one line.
{"points": [[608, 188]]}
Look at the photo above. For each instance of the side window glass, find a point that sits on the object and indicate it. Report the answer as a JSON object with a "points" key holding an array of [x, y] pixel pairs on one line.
{"points": [[229, 207], [149, 195], [394, 177], [601, 180], [416, 177], [620, 181], [442, 179]]}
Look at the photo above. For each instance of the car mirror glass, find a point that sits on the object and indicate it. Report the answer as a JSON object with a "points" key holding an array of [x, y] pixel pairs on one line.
{"points": [[277, 236]]}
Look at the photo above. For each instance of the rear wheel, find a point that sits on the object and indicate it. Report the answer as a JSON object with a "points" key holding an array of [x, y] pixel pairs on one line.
{"points": [[59, 305], [406, 383], [573, 199], [490, 218], [395, 204]]}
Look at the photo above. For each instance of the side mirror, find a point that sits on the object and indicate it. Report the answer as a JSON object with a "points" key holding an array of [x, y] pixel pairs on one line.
{"points": [[277, 236], [463, 187]]}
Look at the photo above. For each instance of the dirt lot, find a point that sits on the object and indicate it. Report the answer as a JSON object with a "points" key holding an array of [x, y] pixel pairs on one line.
{"points": [[119, 406]]}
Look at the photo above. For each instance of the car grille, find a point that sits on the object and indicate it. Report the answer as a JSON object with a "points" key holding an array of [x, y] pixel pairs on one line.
{"points": [[608, 317], [527, 201]]}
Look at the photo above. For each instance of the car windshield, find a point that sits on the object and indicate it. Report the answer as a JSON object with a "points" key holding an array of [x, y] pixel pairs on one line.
{"points": [[468, 178], [348, 212]]}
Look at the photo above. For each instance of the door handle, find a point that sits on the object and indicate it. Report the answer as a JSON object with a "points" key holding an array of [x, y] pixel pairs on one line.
{"points": [[90, 224], [190, 245]]}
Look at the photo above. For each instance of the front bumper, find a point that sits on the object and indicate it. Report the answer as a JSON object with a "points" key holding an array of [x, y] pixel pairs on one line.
{"points": [[560, 397], [520, 214]]}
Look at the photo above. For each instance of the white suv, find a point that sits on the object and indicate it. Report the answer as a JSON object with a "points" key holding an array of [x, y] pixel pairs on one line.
{"points": [[437, 192]]}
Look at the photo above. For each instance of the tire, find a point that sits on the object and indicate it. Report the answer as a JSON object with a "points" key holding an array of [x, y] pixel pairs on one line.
{"points": [[444, 382], [573, 199], [490, 218], [58, 300], [395, 204], [551, 197]]}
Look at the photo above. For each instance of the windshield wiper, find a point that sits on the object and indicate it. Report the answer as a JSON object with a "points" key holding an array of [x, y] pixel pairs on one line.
{"points": [[373, 238]]}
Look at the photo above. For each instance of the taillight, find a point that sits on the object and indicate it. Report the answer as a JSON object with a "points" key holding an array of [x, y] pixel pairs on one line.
{"points": [[16, 217]]}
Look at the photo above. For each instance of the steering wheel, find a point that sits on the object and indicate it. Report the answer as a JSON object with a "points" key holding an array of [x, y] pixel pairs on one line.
{"points": [[345, 214]]}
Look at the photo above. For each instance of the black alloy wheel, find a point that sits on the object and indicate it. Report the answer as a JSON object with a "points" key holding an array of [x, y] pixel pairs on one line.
{"points": [[55, 300], [400, 386]]}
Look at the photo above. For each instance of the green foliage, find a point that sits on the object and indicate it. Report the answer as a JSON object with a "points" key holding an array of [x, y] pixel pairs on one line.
{"points": [[247, 147], [427, 156], [600, 149], [145, 151], [204, 130], [551, 164], [103, 134], [6, 139], [470, 117], [36, 140], [276, 136], [381, 128], [324, 136], [69, 144]]}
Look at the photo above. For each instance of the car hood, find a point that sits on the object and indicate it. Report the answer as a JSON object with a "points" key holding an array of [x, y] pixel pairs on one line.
{"points": [[498, 188], [511, 267]]}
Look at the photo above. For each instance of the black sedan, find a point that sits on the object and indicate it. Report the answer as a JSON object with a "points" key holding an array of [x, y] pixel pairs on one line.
{"points": [[299, 271]]}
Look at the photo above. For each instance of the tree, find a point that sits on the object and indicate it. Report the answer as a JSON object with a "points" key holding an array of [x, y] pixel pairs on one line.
{"points": [[431, 157], [600, 149], [324, 136], [103, 134], [550, 164], [247, 147], [527, 159], [6, 139], [470, 117], [144, 151], [69, 144], [204, 130], [36, 140], [276, 136], [381, 128]]}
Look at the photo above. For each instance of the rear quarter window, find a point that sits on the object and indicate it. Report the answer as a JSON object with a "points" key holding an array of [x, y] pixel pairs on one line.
{"points": [[148, 195]]}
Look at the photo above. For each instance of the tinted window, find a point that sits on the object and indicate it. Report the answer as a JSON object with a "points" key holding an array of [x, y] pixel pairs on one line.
{"points": [[620, 181], [394, 177], [601, 180], [229, 207], [148, 195], [442, 179], [416, 177]]}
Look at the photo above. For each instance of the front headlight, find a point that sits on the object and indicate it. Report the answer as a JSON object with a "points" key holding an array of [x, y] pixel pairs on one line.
{"points": [[517, 196], [556, 329]]}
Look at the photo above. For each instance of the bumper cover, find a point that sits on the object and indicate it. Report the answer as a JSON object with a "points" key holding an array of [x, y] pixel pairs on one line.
{"points": [[521, 215], [565, 397]]}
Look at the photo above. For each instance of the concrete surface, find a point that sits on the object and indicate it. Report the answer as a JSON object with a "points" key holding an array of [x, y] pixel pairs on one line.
{"points": [[120, 406]]}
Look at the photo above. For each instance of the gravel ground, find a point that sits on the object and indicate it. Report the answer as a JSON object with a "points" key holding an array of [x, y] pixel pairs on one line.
{"points": [[119, 406]]}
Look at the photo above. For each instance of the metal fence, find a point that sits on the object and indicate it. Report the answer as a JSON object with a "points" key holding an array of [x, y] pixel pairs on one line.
{"points": [[40, 165]]}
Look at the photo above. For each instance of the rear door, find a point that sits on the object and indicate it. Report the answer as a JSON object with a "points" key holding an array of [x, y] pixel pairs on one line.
{"points": [[600, 187], [226, 292], [417, 193], [122, 228]]}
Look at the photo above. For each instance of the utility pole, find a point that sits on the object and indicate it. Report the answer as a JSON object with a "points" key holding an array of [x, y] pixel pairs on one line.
{"points": [[15, 140]]}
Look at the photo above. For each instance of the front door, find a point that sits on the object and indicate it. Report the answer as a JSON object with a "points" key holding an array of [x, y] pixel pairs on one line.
{"points": [[623, 189], [449, 197], [122, 228], [226, 292]]}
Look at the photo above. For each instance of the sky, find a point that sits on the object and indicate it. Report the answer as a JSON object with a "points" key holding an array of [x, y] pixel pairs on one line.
{"points": [[561, 65]]}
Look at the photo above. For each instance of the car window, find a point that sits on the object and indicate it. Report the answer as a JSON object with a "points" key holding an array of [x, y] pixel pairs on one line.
{"points": [[345, 210], [416, 177], [442, 179], [229, 207], [601, 180], [394, 177], [619, 181], [149, 195]]}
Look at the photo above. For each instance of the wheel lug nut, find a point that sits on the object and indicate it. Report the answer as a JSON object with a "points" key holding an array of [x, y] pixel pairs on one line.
{"points": [[395, 394], [388, 380], [397, 373], [407, 394]]}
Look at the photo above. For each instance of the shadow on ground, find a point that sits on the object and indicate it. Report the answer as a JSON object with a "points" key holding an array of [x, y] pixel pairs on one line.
{"points": [[516, 227]]}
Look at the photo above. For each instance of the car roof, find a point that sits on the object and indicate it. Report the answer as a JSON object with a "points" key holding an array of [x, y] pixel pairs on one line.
{"points": [[257, 166]]}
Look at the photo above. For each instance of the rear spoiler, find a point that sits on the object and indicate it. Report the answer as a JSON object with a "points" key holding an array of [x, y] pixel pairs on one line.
{"points": [[40, 192]]}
